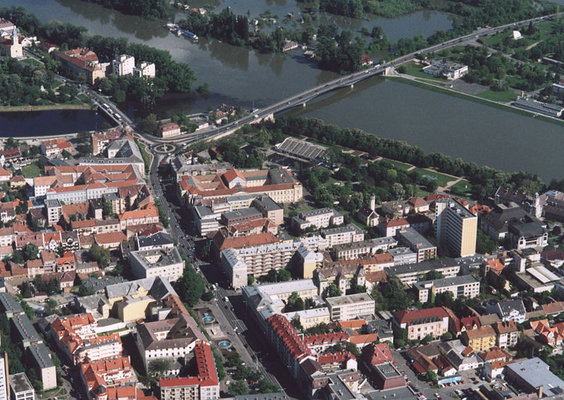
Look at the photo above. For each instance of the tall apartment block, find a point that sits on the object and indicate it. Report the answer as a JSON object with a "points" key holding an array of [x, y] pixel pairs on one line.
{"points": [[456, 228]]}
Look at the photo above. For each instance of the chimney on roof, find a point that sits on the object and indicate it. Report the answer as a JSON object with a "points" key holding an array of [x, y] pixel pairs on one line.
{"points": [[540, 392]]}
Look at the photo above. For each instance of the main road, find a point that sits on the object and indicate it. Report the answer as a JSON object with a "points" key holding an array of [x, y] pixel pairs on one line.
{"points": [[344, 81]]}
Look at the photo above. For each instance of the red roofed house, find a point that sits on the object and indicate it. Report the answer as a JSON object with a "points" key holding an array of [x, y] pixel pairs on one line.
{"points": [[149, 215], [420, 323], [366, 60], [112, 372], [169, 130], [320, 343], [55, 147], [204, 386], [375, 354], [111, 240], [418, 204], [5, 175], [332, 362]]}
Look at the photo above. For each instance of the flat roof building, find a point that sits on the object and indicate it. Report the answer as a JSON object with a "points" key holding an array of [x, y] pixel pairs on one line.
{"points": [[21, 388], [343, 308], [417, 243], [9, 305], [465, 285], [165, 263], [534, 376], [456, 228], [408, 274]]}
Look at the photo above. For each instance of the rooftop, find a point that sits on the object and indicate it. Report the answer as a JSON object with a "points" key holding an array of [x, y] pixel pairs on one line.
{"points": [[536, 373], [423, 266], [157, 257], [446, 282], [348, 299], [41, 355], [20, 383]]}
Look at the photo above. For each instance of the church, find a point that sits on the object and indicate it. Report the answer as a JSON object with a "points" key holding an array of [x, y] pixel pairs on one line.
{"points": [[11, 46]]}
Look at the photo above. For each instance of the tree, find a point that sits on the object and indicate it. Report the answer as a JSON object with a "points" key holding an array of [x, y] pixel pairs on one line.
{"points": [[485, 244], [238, 388], [432, 275], [284, 275], [149, 124], [294, 303], [332, 291], [431, 376], [250, 280], [191, 285], [30, 251], [446, 336], [296, 323], [85, 291], [107, 208], [159, 366], [100, 255]]}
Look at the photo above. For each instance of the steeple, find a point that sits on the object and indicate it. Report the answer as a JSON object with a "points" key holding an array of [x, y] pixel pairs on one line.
{"points": [[15, 39]]}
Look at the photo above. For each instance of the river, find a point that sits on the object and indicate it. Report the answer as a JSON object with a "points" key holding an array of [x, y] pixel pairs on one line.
{"points": [[441, 123], [238, 76], [45, 123]]}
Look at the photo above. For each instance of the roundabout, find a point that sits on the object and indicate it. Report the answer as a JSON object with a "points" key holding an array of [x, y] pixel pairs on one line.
{"points": [[165, 148]]}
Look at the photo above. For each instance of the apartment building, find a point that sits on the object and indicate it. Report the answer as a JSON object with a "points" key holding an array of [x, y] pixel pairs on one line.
{"points": [[21, 388], [465, 285], [269, 209], [47, 372], [409, 274], [317, 218], [352, 306], [239, 262], [78, 339], [355, 250], [343, 235], [417, 243], [4, 378], [145, 70], [165, 263], [263, 301], [420, 323], [481, 339], [507, 334], [123, 65], [203, 386], [456, 227]]}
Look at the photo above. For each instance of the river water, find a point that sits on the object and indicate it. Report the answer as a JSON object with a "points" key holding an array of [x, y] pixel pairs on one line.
{"points": [[238, 76]]}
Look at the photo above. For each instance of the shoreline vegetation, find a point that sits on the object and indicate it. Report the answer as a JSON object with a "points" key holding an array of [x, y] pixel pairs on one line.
{"points": [[51, 107]]}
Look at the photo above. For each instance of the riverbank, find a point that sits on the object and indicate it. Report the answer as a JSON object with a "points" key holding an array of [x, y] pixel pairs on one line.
{"points": [[45, 107], [502, 106]]}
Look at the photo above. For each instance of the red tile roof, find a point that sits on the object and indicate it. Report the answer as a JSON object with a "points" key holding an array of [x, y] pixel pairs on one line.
{"points": [[408, 316], [376, 354], [206, 370], [222, 242]]}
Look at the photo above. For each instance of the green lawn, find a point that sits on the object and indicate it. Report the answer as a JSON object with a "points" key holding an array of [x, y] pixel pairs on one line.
{"points": [[504, 97], [441, 179], [398, 165], [31, 171], [462, 188]]}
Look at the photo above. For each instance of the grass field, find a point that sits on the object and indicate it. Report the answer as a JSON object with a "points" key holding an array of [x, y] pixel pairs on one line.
{"points": [[31, 171], [441, 179], [462, 188], [398, 165], [504, 97]]}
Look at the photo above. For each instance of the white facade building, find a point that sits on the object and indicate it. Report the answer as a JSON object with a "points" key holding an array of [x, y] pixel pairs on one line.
{"points": [[145, 69], [124, 65]]}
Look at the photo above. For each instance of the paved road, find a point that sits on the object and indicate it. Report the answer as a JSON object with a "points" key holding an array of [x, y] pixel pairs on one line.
{"points": [[221, 309]]}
